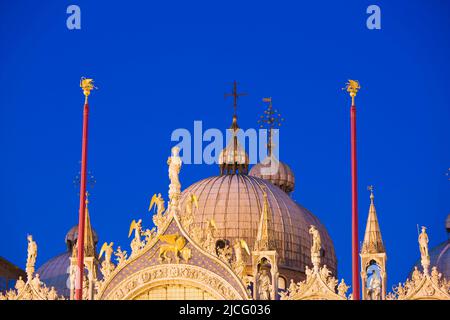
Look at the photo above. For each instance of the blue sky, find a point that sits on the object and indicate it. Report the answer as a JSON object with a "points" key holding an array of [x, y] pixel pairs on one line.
{"points": [[161, 66]]}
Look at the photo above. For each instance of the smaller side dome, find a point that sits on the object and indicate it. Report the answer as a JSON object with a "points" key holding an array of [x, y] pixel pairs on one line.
{"points": [[282, 177], [72, 236]]}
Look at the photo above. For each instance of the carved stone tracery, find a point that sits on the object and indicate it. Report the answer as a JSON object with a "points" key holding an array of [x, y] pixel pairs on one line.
{"points": [[147, 277]]}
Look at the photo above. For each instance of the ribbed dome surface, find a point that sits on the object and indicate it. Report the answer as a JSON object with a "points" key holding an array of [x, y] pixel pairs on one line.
{"points": [[235, 202], [55, 273], [282, 177]]}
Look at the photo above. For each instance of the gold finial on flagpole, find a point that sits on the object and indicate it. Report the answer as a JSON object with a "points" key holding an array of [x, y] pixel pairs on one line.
{"points": [[352, 87], [87, 85]]}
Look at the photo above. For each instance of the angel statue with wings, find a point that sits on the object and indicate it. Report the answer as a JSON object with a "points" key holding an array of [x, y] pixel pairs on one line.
{"points": [[157, 202], [107, 265], [239, 263], [136, 243], [107, 249]]}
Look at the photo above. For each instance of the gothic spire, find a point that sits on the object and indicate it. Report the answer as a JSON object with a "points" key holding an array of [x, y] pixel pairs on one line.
{"points": [[373, 243], [89, 244], [264, 237]]}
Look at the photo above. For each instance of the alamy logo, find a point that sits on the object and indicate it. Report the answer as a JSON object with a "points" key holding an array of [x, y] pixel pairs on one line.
{"points": [[73, 21], [206, 146], [374, 20]]}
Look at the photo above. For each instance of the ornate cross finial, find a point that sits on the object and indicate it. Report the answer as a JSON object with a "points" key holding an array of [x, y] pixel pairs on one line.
{"points": [[352, 87], [87, 85], [235, 94], [371, 188], [271, 119]]}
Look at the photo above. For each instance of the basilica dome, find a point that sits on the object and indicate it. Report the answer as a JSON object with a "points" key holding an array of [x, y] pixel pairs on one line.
{"points": [[235, 203], [283, 177]]}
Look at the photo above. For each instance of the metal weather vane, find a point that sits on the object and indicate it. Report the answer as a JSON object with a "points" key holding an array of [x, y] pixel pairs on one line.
{"points": [[270, 119]]}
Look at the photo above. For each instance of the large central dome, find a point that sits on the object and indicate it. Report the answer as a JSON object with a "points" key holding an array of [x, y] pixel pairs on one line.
{"points": [[235, 203]]}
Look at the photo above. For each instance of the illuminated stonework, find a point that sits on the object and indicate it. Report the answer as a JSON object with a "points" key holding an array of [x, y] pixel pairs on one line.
{"points": [[231, 237]]}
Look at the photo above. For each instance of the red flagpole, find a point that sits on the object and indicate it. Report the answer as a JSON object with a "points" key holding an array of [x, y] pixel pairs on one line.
{"points": [[355, 244], [82, 211]]}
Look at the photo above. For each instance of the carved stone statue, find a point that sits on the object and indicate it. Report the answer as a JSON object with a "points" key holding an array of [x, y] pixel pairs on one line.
{"points": [[225, 253], [136, 243], [423, 245], [239, 263], [292, 287], [158, 202], [174, 163], [85, 287], [316, 246], [32, 255], [191, 203], [188, 216], [36, 281], [325, 272], [52, 294], [423, 242], [20, 284], [107, 265], [374, 287], [416, 275], [435, 275], [210, 243], [308, 273], [264, 285], [72, 278], [121, 256], [342, 288]]}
